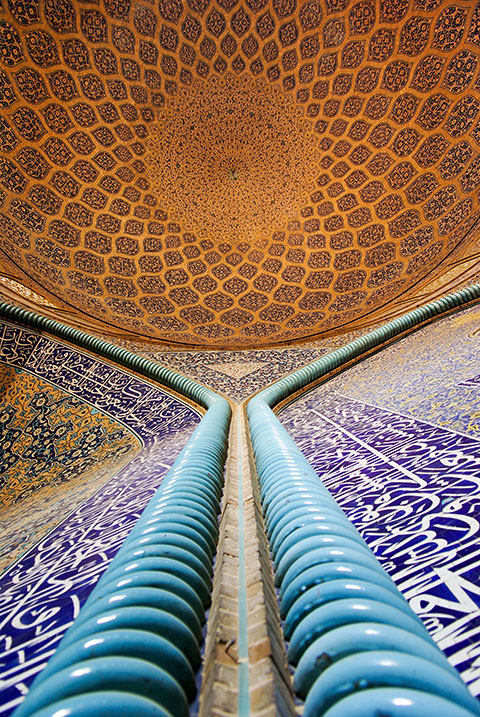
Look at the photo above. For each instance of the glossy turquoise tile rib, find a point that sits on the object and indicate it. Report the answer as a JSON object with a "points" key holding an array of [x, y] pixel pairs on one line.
{"points": [[135, 646], [358, 648]]}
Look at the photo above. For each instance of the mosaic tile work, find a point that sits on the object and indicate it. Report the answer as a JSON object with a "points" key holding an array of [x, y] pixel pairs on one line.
{"points": [[282, 141], [410, 485], [225, 174], [239, 374], [41, 594], [49, 437], [431, 367], [24, 524]]}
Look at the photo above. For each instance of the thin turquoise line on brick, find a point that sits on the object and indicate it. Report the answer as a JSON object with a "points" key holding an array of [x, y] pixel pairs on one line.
{"points": [[243, 661]]}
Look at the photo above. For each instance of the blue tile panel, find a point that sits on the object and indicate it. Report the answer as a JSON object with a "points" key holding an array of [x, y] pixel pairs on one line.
{"points": [[41, 594], [433, 374], [396, 441], [239, 374]]}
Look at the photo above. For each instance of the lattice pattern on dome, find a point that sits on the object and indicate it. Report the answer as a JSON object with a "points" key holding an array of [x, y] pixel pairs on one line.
{"points": [[233, 173]]}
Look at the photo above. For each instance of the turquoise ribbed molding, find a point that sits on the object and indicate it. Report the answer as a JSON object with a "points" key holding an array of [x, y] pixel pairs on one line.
{"points": [[135, 646], [358, 648], [185, 386], [303, 377]]}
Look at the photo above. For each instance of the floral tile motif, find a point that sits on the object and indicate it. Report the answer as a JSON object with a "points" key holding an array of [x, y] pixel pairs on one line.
{"points": [[65, 535], [239, 374], [434, 374], [50, 437], [238, 369]]}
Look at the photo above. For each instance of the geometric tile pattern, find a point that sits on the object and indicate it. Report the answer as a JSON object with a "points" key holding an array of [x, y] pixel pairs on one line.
{"points": [[239, 374], [229, 173]]}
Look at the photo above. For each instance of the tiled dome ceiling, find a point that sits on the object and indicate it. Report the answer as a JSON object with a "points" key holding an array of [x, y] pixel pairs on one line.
{"points": [[236, 172]]}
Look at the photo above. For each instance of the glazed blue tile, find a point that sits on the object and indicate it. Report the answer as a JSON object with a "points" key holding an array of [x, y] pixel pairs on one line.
{"points": [[401, 454], [41, 594]]}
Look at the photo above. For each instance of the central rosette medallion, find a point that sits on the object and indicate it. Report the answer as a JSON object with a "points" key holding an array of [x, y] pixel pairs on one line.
{"points": [[233, 159]]}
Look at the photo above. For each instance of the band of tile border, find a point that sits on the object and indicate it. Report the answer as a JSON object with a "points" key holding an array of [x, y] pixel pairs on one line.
{"points": [[357, 647], [135, 646]]}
